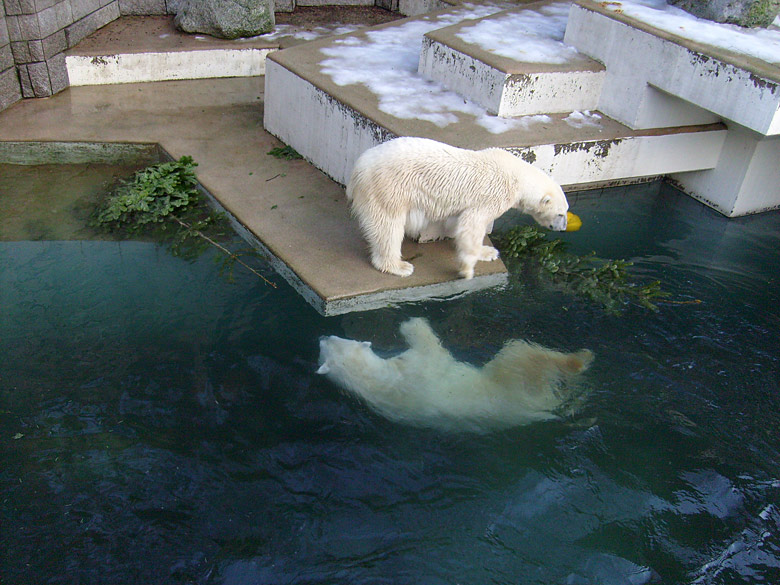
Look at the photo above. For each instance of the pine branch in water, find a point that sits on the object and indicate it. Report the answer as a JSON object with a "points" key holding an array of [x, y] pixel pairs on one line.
{"points": [[608, 282]]}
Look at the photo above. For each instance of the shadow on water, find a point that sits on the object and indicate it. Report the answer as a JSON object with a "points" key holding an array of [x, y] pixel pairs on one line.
{"points": [[160, 425]]}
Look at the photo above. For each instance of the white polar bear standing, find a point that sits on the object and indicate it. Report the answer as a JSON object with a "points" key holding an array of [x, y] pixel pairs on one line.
{"points": [[404, 185], [426, 386]]}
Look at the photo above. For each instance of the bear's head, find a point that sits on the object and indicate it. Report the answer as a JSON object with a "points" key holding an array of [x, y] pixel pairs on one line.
{"points": [[542, 198], [549, 209], [341, 360]]}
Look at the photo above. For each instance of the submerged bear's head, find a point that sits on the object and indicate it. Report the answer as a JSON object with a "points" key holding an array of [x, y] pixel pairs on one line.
{"points": [[339, 355]]}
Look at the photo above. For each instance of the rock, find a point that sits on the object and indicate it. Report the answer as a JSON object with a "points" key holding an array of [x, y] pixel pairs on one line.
{"points": [[226, 19], [748, 13]]}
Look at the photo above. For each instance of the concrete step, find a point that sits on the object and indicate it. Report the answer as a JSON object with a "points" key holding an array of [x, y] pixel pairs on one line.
{"points": [[334, 98], [514, 63], [144, 49]]}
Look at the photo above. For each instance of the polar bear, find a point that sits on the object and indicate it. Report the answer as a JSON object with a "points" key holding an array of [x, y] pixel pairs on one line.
{"points": [[407, 184], [426, 386]]}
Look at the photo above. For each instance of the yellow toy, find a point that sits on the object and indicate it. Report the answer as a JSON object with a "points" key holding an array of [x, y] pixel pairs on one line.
{"points": [[573, 222]]}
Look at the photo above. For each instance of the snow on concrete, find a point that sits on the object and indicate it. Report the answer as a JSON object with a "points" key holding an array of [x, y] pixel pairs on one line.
{"points": [[289, 30], [584, 119], [763, 44], [532, 35], [386, 63]]}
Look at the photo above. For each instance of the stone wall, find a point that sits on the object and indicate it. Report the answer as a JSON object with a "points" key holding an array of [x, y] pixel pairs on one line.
{"points": [[10, 91], [34, 35], [40, 31]]}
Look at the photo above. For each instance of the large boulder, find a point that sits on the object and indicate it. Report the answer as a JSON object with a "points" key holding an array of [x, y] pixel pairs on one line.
{"points": [[748, 13], [226, 19]]}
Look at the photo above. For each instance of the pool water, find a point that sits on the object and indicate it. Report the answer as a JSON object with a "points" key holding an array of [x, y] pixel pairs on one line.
{"points": [[159, 424]]}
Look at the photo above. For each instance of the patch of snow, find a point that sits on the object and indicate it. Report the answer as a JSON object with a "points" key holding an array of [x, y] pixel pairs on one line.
{"points": [[579, 119], [532, 35], [386, 63], [289, 30], [763, 44]]}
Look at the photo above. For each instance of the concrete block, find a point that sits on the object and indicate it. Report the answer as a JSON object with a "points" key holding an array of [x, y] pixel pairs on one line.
{"points": [[27, 27], [6, 57], [313, 123], [39, 79], [10, 91], [4, 38], [58, 73], [54, 18], [284, 5], [13, 28], [13, 7], [28, 6], [638, 60], [54, 44], [36, 50], [746, 179], [142, 7], [146, 67], [21, 52], [89, 24], [41, 5], [417, 7], [507, 88], [24, 81], [81, 8]]}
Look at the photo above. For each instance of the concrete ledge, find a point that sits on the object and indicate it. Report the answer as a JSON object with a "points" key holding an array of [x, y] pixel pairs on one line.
{"points": [[728, 84], [145, 67], [505, 85], [332, 124], [44, 153]]}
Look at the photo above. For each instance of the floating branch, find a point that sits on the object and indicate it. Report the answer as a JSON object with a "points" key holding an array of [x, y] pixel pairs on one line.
{"points": [[161, 195]]}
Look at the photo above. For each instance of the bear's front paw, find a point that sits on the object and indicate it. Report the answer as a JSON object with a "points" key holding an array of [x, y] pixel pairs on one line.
{"points": [[467, 272], [488, 254], [401, 269]]}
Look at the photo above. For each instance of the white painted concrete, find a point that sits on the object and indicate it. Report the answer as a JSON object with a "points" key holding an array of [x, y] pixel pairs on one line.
{"points": [[417, 7], [506, 94], [612, 160], [636, 59], [328, 133], [165, 66], [746, 178]]}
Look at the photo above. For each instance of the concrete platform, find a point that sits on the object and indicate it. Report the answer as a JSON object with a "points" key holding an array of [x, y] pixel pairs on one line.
{"points": [[661, 72], [322, 100], [142, 49], [478, 60], [298, 214]]}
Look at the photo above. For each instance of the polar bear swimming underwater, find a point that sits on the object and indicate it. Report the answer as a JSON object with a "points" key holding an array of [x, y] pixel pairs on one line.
{"points": [[407, 185], [427, 386]]}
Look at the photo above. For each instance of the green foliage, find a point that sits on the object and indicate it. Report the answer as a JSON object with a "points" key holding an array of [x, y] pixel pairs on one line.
{"points": [[151, 196], [285, 152], [604, 281], [163, 201]]}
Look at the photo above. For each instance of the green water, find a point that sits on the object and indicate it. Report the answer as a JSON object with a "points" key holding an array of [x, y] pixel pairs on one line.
{"points": [[161, 425]]}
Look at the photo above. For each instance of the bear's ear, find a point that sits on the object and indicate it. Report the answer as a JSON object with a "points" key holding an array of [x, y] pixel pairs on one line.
{"points": [[546, 200], [324, 368], [366, 344]]}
